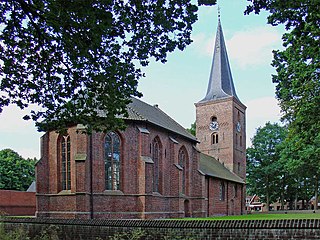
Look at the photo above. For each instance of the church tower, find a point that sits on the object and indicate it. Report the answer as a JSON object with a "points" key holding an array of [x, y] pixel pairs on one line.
{"points": [[220, 115]]}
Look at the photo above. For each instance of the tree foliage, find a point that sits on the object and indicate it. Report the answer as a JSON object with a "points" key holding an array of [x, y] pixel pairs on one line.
{"points": [[297, 81], [192, 129], [79, 60], [16, 173], [264, 170]]}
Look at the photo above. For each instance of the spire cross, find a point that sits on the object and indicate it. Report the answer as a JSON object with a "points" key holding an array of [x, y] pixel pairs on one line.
{"points": [[219, 12]]}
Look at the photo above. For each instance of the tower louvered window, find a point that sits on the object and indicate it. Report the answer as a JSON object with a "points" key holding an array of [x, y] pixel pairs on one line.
{"points": [[214, 138], [112, 161]]}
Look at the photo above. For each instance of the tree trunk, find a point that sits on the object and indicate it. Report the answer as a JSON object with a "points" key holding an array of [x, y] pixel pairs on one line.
{"points": [[282, 194], [316, 194], [268, 197]]}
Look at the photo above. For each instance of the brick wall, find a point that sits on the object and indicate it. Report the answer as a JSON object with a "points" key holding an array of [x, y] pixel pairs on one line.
{"points": [[16, 203], [135, 198], [158, 229]]}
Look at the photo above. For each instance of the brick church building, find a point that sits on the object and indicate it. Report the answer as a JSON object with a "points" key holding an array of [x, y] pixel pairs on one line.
{"points": [[154, 168]]}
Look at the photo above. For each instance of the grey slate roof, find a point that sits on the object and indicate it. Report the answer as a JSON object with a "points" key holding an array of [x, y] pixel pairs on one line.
{"points": [[220, 81], [211, 167], [141, 111]]}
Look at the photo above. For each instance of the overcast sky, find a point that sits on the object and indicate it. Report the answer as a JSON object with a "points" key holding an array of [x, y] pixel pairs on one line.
{"points": [[182, 81]]}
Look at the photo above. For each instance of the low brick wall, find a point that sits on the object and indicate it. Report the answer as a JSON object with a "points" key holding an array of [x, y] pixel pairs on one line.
{"points": [[158, 229], [16, 203]]}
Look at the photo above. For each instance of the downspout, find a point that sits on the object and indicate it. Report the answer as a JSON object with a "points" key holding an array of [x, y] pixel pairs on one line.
{"points": [[208, 196], [91, 177], [241, 199]]}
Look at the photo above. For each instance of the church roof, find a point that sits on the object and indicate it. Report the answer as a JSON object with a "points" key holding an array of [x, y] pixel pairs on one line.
{"points": [[211, 167], [220, 81], [141, 111]]}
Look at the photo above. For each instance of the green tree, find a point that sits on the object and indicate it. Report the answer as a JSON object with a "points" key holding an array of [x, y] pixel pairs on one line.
{"points": [[80, 60], [265, 175], [297, 80], [192, 129], [16, 173]]}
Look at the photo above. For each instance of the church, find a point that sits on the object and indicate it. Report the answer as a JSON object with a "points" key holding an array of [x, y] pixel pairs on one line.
{"points": [[154, 168]]}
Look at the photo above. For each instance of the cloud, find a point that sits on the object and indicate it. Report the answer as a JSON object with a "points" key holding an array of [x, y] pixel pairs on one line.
{"points": [[259, 111], [253, 47], [245, 48], [11, 120]]}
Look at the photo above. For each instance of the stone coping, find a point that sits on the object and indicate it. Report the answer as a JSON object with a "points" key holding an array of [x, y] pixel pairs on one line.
{"points": [[211, 224]]}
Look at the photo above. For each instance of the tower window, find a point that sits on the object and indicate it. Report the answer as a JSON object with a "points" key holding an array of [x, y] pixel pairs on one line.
{"points": [[214, 138], [236, 138], [240, 141], [213, 119]]}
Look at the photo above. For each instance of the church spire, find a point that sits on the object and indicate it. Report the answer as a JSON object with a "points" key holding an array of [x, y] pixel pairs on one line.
{"points": [[220, 80]]}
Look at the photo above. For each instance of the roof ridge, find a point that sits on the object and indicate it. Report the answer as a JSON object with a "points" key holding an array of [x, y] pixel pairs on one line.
{"points": [[136, 112]]}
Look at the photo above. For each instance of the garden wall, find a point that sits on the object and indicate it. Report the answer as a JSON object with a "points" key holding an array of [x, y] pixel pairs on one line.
{"points": [[157, 229], [16, 203]]}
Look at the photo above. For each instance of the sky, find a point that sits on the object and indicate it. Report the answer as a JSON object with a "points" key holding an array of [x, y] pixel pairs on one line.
{"points": [[176, 85]]}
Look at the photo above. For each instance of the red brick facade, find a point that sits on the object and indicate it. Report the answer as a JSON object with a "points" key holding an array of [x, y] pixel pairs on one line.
{"points": [[135, 198], [16, 203]]}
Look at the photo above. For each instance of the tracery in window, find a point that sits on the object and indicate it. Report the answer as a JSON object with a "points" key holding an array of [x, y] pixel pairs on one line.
{"points": [[182, 157], [156, 154], [65, 162], [112, 160]]}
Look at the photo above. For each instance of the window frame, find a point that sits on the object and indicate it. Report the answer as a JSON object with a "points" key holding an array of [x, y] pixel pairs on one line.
{"points": [[112, 166]]}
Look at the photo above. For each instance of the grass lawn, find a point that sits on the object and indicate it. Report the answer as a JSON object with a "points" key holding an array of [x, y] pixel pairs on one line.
{"points": [[265, 216]]}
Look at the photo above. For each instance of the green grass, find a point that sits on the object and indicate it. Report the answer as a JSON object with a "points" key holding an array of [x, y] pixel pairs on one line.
{"points": [[264, 216]]}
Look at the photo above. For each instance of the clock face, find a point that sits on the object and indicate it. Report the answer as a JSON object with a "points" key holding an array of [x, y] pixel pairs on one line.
{"points": [[214, 126], [238, 127]]}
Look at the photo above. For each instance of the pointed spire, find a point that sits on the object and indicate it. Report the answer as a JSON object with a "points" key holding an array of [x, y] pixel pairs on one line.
{"points": [[220, 80]]}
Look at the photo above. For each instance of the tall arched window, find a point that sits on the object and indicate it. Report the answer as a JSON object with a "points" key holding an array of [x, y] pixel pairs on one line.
{"points": [[182, 157], [156, 154], [65, 162], [112, 161]]}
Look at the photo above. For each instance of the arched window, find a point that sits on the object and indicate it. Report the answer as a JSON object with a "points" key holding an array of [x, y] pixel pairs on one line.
{"points": [[214, 138], [156, 154], [65, 162], [222, 191], [112, 161], [182, 157]]}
